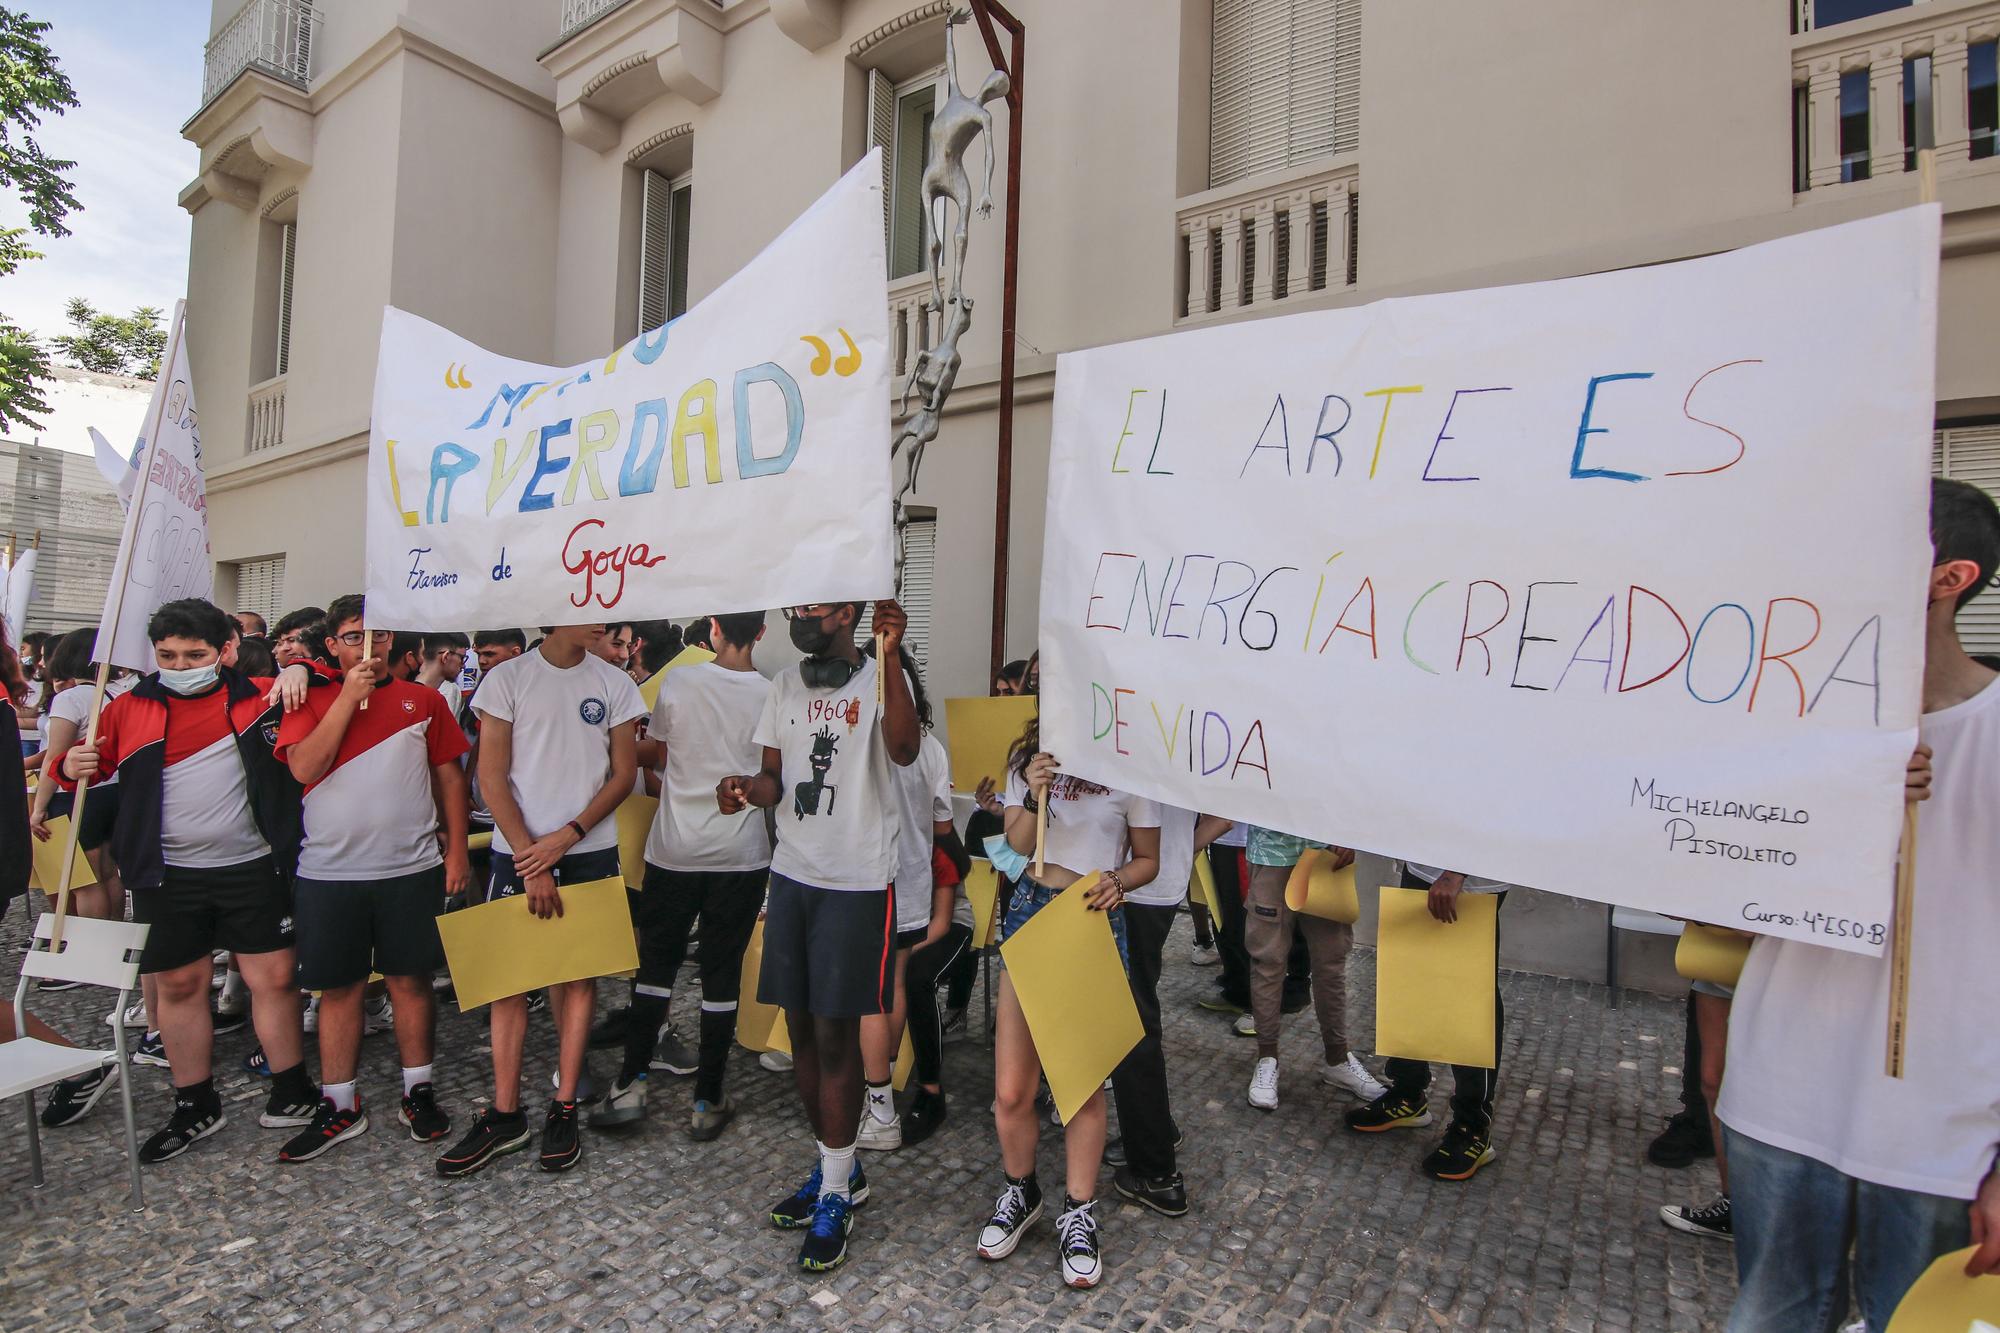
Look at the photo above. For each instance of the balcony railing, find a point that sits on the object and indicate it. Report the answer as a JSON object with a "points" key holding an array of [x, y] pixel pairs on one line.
{"points": [[580, 14], [1268, 242], [1905, 76], [267, 416], [911, 324], [273, 37]]}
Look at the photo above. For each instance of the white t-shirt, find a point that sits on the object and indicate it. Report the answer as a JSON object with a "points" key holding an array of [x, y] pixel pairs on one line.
{"points": [[837, 813], [73, 707], [453, 696], [705, 716], [923, 797], [1087, 823], [1806, 1032], [1473, 884], [562, 719], [1169, 888], [1238, 836]]}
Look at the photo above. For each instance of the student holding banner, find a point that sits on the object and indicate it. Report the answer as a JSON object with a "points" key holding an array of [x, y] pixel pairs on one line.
{"points": [[381, 785], [208, 833], [1089, 827], [830, 732], [557, 754], [1838, 1170]]}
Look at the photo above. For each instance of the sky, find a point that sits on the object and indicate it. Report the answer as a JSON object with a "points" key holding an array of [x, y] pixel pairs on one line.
{"points": [[136, 67]]}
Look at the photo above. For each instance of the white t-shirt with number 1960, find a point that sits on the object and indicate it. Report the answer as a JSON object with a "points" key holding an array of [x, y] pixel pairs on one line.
{"points": [[836, 814]]}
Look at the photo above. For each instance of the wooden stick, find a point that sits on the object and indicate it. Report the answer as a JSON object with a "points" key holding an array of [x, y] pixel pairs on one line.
{"points": [[1041, 833], [881, 666], [367, 647], [1899, 943], [76, 814]]}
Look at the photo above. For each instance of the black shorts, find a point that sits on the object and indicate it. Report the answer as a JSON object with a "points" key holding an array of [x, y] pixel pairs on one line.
{"points": [[100, 813], [348, 928], [576, 868], [828, 951], [910, 939], [244, 908]]}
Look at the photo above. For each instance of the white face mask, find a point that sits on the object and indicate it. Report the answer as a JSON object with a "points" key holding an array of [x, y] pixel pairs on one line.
{"points": [[190, 680]]}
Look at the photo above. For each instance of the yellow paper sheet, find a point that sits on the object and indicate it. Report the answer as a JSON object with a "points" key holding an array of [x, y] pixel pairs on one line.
{"points": [[498, 949], [980, 732], [906, 1062], [48, 860], [1434, 982], [1711, 953], [759, 1026], [1317, 889], [1065, 970], [1201, 887], [982, 889], [479, 842], [1945, 1300]]}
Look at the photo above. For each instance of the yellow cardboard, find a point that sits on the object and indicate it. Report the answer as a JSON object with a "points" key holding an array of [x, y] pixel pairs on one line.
{"points": [[759, 1026], [1945, 1300], [1201, 887], [982, 892], [48, 861], [1317, 889], [635, 814], [499, 949], [1713, 954], [480, 841], [980, 732], [1065, 971], [906, 1062], [1434, 991]]}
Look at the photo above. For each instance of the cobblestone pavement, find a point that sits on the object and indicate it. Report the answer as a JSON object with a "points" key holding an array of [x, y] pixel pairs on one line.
{"points": [[1295, 1222]]}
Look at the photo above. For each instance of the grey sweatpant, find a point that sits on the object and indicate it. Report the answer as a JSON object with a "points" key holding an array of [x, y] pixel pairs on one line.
{"points": [[1267, 934]]}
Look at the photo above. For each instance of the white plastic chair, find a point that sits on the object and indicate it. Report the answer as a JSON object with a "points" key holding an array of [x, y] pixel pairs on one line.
{"points": [[96, 953]]}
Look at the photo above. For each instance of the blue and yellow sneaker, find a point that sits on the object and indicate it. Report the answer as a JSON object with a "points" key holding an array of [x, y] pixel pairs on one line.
{"points": [[825, 1245], [796, 1212]]}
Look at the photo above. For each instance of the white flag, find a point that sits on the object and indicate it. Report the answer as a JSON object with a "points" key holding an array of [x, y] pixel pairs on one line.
{"points": [[19, 581], [119, 473], [163, 555]]}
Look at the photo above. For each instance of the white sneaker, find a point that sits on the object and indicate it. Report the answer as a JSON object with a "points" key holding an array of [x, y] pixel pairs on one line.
{"points": [[377, 1016], [778, 1062], [1352, 1077], [1204, 956], [1264, 1084], [311, 1017], [133, 1017], [1246, 1026], [233, 1003], [625, 1105], [876, 1136]]}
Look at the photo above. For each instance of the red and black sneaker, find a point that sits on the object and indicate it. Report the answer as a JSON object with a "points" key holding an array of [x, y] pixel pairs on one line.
{"points": [[329, 1126], [421, 1114]]}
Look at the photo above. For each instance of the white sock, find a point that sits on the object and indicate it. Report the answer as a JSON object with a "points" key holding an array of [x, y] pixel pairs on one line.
{"points": [[413, 1076], [881, 1104], [341, 1093], [836, 1167]]}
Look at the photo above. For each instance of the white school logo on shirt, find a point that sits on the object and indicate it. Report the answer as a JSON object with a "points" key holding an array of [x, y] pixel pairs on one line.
{"points": [[591, 710]]}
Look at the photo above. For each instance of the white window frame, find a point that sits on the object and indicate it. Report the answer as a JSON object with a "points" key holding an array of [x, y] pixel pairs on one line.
{"points": [[885, 130], [1972, 453]]}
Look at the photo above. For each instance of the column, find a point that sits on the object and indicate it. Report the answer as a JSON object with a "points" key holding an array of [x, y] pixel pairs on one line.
{"points": [[1231, 294], [1201, 300], [1823, 126], [1264, 258], [1298, 251], [1948, 104], [1885, 113], [1339, 223]]}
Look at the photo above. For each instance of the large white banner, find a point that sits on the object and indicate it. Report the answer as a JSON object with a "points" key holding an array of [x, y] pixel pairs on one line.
{"points": [[164, 554], [736, 459], [1612, 586]]}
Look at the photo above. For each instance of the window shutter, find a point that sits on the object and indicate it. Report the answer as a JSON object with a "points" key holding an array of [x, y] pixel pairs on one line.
{"points": [[260, 587], [1284, 84], [287, 261], [1972, 453], [919, 578], [655, 259], [882, 135]]}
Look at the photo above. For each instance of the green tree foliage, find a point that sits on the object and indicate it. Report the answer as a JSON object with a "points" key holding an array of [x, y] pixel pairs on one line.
{"points": [[113, 344], [31, 83]]}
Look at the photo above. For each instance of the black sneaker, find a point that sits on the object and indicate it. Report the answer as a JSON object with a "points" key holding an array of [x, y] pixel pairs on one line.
{"points": [[1013, 1213], [420, 1113], [1463, 1151], [1218, 1004], [493, 1134], [281, 1112], [673, 1054], [329, 1126], [797, 1211], [1389, 1111], [1165, 1195], [825, 1245], [538, 1001], [228, 1023], [1713, 1221], [1076, 1242], [151, 1051], [926, 1114], [562, 1146], [50, 985], [1114, 1148], [188, 1125], [74, 1098], [1686, 1140], [1293, 1004], [610, 1031]]}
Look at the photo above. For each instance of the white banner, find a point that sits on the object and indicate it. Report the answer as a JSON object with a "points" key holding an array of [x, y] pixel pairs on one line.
{"points": [[735, 460], [1612, 586], [17, 589], [163, 555]]}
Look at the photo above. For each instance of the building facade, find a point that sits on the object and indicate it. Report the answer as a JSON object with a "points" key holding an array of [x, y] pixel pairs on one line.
{"points": [[546, 177]]}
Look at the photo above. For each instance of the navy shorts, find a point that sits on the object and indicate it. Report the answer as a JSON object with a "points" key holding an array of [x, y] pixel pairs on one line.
{"points": [[1029, 898], [348, 928], [829, 952], [576, 868]]}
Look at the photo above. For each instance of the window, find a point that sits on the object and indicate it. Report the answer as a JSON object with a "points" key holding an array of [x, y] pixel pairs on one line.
{"points": [[260, 587], [919, 577], [1826, 13], [288, 240], [899, 122], [1972, 453], [1284, 84], [665, 211], [1801, 149], [1919, 129], [1854, 125], [1983, 98]]}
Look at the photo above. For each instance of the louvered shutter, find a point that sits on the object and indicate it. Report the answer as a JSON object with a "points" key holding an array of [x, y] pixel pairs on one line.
{"points": [[286, 268], [260, 587], [1972, 453], [882, 135], [919, 579], [655, 257], [1284, 84]]}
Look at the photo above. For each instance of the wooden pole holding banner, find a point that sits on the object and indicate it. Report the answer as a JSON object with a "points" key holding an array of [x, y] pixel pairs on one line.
{"points": [[127, 544], [1041, 834], [1903, 920], [367, 646]]}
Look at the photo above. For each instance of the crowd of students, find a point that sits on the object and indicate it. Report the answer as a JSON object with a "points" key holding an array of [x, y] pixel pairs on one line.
{"points": [[302, 801]]}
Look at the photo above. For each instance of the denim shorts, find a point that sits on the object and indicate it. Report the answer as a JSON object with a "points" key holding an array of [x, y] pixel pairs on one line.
{"points": [[1028, 898]]}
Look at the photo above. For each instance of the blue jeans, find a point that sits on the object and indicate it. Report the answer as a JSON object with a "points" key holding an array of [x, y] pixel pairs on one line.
{"points": [[1795, 1218], [1028, 898]]}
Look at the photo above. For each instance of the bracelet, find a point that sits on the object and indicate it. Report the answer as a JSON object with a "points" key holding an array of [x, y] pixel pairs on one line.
{"points": [[1030, 804], [580, 832]]}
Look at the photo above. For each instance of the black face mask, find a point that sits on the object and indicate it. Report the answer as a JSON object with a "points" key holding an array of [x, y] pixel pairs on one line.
{"points": [[811, 637], [827, 673]]}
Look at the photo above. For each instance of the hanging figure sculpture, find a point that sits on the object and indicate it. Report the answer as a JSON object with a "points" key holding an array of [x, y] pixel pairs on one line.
{"points": [[957, 124]]}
